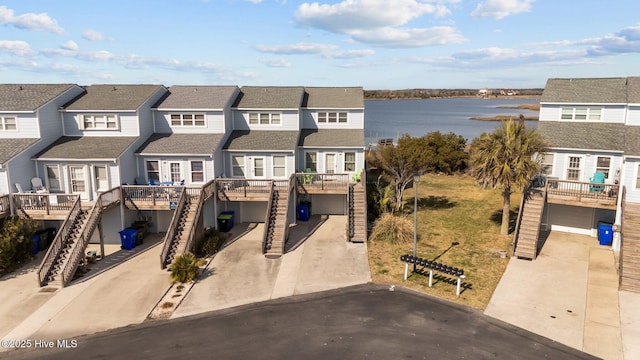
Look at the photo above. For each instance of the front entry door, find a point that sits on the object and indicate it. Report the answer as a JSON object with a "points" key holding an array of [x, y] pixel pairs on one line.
{"points": [[175, 172], [78, 181], [330, 163], [258, 167]]}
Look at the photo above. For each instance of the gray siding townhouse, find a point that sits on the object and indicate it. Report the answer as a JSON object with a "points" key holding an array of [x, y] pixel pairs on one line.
{"points": [[29, 121], [592, 126]]}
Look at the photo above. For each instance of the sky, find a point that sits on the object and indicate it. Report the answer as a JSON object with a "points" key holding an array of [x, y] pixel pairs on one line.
{"points": [[376, 44]]}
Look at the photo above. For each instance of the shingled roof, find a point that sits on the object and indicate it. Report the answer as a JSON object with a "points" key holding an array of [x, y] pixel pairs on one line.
{"points": [[633, 90], [29, 97], [587, 90], [87, 147], [335, 97], [270, 97], [12, 147], [198, 97], [181, 144], [113, 97], [262, 140], [583, 135], [332, 138]]}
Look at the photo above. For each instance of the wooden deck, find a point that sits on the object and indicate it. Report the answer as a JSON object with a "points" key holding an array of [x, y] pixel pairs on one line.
{"points": [[44, 206], [5, 208], [316, 183], [575, 193], [147, 197]]}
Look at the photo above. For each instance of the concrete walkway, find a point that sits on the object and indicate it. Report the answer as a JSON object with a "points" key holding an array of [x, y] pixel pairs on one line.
{"points": [[125, 286], [100, 300], [240, 274], [570, 294]]}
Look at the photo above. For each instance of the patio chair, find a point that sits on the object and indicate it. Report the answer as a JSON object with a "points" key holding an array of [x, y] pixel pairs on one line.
{"points": [[153, 182], [307, 178], [21, 191], [37, 186], [598, 178]]}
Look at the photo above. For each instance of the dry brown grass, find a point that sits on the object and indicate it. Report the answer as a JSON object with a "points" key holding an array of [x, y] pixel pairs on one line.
{"points": [[451, 209]]}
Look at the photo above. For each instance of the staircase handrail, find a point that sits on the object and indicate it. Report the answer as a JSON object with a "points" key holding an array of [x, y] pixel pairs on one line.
{"points": [[85, 236], [169, 236], [516, 231], [267, 221], [192, 232], [56, 243]]}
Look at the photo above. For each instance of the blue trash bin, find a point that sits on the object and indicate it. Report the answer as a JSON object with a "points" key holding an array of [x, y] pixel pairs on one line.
{"points": [[605, 233], [128, 238], [303, 212], [36, 244]]}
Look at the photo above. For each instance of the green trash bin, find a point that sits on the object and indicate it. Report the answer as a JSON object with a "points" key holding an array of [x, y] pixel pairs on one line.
{"points": [[224, 222]]}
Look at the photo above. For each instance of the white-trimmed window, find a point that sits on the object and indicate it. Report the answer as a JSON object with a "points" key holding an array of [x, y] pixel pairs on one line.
{"points": [[237, 165], [332, 117], [153, 170], [279, 166], [349, 161], [264, 119], [197, 171], [547, 164], [53, 178], [581, 113], [638, 177], [99, 121], [187, 120], [8, 123], [573, 170], [603, 164], [311, 161]]}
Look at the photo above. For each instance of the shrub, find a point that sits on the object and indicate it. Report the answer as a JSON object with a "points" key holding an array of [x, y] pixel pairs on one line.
{"points": [[393, 229], [185, 268], [16, 243], [211, 242]]}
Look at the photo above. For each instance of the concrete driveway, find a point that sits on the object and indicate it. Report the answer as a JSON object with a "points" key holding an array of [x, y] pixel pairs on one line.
{"points": [[570, 294], [320, 259]]}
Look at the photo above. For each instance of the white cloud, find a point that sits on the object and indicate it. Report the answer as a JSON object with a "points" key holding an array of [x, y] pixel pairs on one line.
{"points": [[16, 47], [365, 20], [392, 37], [276, 63], [296, 49], [70, 45], [500, 9], [93, 35], [29, 21], [349, 54]]}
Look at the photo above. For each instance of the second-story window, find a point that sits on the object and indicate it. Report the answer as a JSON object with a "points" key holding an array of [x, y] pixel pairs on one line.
{"points": [[581, 113], [8, 123], [332, 117], [264, 119], [187, 120], [100, 121], [603, 163]]}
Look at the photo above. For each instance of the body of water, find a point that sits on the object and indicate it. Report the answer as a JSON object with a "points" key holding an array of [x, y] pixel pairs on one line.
{"points": [[393, 118]]}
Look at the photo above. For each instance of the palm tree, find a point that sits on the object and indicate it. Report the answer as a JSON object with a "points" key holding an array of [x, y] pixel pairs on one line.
{"points": [[506, 158]]}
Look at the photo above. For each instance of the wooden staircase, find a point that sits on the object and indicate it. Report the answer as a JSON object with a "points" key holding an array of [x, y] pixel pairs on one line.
{"points": [[528, 225], [62, 258], [630, 248], [180, 236], [357, 224], [276, 224]]}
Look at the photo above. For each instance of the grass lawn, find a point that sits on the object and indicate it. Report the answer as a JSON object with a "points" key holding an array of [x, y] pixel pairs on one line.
{"points": [[451, 209]]}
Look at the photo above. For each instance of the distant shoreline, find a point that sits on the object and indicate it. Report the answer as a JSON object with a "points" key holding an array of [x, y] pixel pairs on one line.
{"points": [[530, 107]]}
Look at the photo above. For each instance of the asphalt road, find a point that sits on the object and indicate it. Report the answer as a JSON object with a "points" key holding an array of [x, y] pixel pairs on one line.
{"points": [[361, 322]]}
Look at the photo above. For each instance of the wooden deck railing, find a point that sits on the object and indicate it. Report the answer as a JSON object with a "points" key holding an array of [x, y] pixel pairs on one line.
{"points": [[171, 232], [244, 187], [582, 191], [323, 181], [45, 203], [5, 207], [151, 194]]}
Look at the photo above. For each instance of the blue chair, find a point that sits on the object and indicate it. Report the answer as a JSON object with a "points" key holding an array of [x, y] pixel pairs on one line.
{"points": [[153, 183], [598, 178]]}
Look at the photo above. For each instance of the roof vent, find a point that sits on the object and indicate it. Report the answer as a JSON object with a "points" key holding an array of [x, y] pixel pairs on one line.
{"points": [[114, 88], [20, 88]]}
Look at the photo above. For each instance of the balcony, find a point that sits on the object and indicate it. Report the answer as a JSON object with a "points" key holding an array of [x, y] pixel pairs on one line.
{"points": [[44, 206], [147, 197], [576, 193], [316, 183], [249, 189]]}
